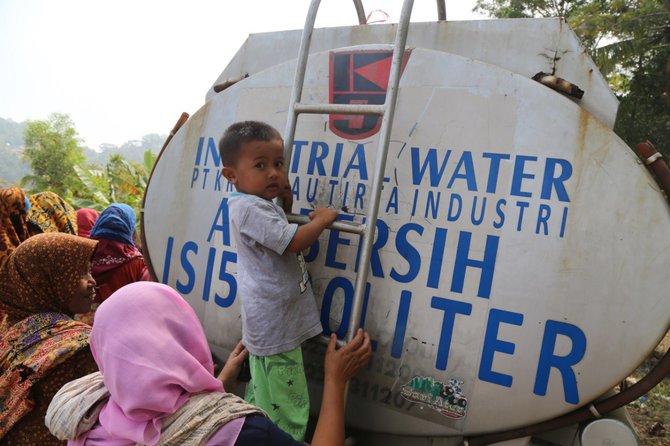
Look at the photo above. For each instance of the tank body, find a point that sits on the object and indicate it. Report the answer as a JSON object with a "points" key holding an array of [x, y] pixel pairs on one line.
{"points": [[514, 275]]}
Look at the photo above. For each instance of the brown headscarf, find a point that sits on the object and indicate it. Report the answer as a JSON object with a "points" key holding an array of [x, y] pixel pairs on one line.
{"points": [[13, 218], [42, 274], [50, 213]]}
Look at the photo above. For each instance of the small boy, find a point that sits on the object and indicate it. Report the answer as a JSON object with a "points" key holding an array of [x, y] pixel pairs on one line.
{"points": [[278, 308]]}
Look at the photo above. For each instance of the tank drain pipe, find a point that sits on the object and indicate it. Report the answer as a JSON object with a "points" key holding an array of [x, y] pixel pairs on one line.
{"points": [[654, 162]]}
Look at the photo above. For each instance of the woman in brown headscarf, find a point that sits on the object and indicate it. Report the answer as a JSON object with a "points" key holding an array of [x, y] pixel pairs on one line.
{"points": [[45, 282], [50, 213], [13, 221]]}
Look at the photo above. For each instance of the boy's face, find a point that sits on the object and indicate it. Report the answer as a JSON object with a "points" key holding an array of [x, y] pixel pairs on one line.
{"points": [[259, 169]]}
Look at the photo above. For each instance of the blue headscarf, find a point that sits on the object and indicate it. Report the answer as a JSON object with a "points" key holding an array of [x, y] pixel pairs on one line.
{"points": [[117, 223]]}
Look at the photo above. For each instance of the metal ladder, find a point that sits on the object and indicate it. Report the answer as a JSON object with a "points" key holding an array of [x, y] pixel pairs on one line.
{"points": [[386, 111]]}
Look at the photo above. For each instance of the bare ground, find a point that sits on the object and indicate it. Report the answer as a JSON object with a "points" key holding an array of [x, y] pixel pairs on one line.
{"points": [[651, 412]]}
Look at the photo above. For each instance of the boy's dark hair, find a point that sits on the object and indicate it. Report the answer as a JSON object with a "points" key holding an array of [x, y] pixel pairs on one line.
{"points": [[241, 132]]}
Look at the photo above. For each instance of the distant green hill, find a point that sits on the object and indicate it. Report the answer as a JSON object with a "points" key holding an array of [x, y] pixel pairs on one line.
{"points": [[11, 133], [130, 150], [13, 167]]}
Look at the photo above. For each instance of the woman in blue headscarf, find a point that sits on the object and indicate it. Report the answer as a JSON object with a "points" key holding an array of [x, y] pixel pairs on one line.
{"points": [[117, 261]]}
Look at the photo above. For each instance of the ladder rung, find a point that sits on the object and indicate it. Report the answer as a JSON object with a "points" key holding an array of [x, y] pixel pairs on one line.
{"points": [[325, 340], [342, 109], [353, 228]]}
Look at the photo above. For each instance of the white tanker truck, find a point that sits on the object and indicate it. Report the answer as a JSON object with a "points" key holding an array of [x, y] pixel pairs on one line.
{"points": [[505, 250]]}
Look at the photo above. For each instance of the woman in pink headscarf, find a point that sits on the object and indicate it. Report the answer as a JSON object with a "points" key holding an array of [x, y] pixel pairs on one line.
{"points": [[156, 382], [85, 220]]}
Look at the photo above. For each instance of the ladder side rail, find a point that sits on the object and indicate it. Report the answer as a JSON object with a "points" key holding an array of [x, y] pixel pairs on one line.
{"points": [[441, 11], [299, 80], [301, 68], [380, 168], [360, 12]]}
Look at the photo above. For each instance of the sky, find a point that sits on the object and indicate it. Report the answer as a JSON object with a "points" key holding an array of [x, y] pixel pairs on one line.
{"points": [[128, 68]]}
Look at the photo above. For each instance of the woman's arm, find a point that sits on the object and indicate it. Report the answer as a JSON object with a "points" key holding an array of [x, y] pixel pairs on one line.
{"points": [[228, 375], [341, 365]]}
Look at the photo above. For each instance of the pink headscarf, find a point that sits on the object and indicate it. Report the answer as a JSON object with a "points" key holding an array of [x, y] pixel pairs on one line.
{"points": [[153, 354], [85, 220]]}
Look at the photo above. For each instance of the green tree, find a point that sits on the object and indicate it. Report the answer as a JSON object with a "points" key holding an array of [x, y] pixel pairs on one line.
{"points": [[52, 147], [631, 27], [517, 9], [120, 181], [644, 113]]}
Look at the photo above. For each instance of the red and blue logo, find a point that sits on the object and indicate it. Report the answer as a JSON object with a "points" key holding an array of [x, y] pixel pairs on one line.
{"points": [[359, 77]]}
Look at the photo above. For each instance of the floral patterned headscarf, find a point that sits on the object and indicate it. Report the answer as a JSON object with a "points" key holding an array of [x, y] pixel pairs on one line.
{"points": [[42, 274], [50, 213], [13, 218]]}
